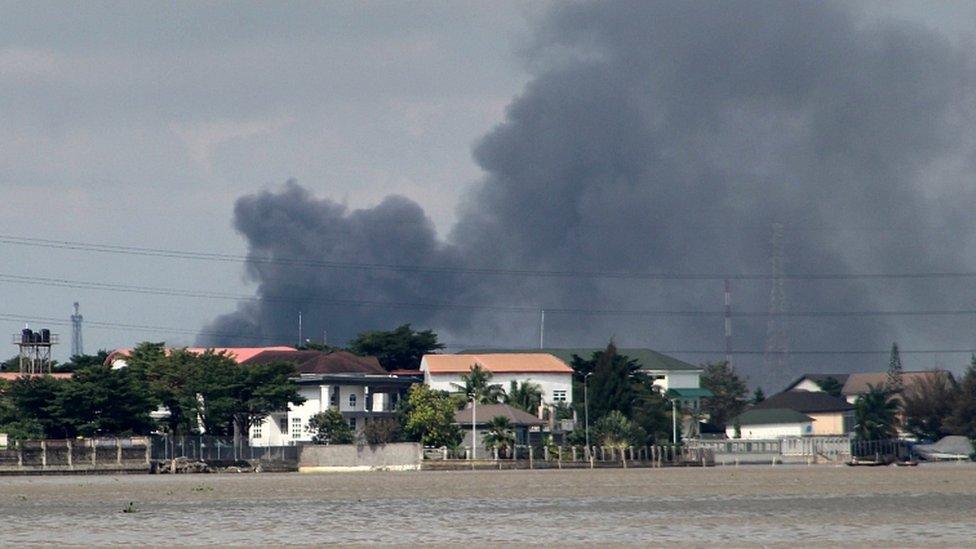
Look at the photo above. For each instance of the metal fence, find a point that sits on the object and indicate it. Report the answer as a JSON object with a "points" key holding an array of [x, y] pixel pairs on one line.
{"points": [[206, 448], [651, 456], [77, 454]]}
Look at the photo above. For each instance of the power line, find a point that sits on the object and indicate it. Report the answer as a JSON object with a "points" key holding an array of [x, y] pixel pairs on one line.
{"points": [[432, 269], [173, 292]]}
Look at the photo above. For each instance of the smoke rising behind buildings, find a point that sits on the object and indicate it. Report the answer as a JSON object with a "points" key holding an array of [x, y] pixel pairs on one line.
{"points": [[666, 138]]}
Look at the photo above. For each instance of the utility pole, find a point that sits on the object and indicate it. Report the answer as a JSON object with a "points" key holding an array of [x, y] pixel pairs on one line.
{"points": [[777, 336], [542, 330], [728, 322], [300, 328]]}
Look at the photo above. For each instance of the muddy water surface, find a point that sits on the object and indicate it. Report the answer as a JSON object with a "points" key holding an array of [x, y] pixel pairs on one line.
{"points": [[927, 505]]}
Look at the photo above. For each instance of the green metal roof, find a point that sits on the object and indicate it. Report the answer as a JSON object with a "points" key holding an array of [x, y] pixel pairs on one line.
{"points": [[649, 359], [770, 416], [689, 393]]}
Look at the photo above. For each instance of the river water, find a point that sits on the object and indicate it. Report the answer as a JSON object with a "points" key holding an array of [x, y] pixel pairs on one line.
{"points": [[931, 505]]}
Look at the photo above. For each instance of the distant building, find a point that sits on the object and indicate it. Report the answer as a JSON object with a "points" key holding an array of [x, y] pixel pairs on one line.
{"points": [[554, 377], [831, 415], [770, 423], [812, 382], [856, 384], [520, 420]]}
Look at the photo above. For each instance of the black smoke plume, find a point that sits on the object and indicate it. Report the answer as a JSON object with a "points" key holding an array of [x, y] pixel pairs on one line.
{"points": [[669, 137]]}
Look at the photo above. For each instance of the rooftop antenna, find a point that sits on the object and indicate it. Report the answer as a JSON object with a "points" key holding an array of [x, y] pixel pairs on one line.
{"points": [[777, 339], [77, 348], [542, 330]]}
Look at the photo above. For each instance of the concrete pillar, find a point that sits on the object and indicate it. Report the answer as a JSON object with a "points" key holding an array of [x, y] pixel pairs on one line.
{"points": [[70, 465], [531, 457], [118, 451], [44, 454], [94, 451]]}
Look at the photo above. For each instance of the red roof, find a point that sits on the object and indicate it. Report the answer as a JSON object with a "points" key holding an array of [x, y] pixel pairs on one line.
{"points": [[10, 376], [496, 363], [319, 362], [240, 354]]}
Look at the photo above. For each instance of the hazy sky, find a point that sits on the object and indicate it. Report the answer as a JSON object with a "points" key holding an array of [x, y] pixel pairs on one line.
{"points": [[137, 124], [140, 124]]}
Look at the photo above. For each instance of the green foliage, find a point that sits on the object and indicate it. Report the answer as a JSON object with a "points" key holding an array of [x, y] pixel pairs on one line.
{"points": [[612, 385], [101, 401], [614, 430], [257, 390], [525, 396], [399, 349], [928, 404], [962, 420], [894, 382], [729, 393], [35, 401], [329, 427], [477, 384], [650, 412], [428, 417], [758, 395], [77, 362], [381, 430], [831, 386], [499, 435], [875, 414]]}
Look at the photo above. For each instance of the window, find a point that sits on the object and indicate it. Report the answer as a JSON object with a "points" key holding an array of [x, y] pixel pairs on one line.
{"points": [[296, 427], [334, 396], [352, 423], [352, 400], [559, 395], [283, 425], [256, 431]]}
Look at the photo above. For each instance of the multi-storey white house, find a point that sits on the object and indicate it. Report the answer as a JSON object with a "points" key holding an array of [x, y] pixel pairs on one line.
{"points": [[552, 375], [358, 387]]}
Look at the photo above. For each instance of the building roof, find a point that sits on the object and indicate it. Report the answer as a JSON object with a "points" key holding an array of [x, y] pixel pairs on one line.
{"points": [[818, 379], [770, 416], [689, 393], [486, 412], [857, 384], [240, 354], [649, 359], [320, 362], [496, 363], [807, 402]]}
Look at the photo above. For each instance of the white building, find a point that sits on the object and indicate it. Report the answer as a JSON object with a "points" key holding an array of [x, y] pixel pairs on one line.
{"points": [[769, 423], [552, 375]]}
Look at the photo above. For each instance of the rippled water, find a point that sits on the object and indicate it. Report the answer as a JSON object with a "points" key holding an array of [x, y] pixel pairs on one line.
{"points": [[927, 505]]}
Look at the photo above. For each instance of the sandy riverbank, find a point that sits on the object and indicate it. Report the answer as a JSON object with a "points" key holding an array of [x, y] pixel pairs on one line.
{"points": [[931, 504]]}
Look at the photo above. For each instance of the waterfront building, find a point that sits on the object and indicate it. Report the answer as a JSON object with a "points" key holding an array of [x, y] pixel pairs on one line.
{"points": [[769, 423], [832, 416], [552, 375]]}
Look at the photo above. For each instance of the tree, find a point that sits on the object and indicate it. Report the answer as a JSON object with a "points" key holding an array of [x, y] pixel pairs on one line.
{"points": [[728, 390], [499, 435], [875, 414], [381, 430], [400, 349], [831, 386], [758, 395], [35, 401], [77, 362], [260, 389], [477, 384], [329, 427], [524, 396], [894, 382], [650, 411], [962, 420], [614, 430], [928, 404], [101, 401], [169, 379], [428, 417], [611, 387]]}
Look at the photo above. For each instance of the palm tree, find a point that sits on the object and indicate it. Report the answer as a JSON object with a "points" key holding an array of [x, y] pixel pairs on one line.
{"points": [[475, 384], [874, 414], [499, 435], [614, 430], [525, 396]]}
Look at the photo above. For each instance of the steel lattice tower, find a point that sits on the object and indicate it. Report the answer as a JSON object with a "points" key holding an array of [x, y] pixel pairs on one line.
{"points": [[777, 337], [77, 348]]}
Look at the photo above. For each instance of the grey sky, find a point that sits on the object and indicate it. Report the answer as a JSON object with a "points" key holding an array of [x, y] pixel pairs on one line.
{"points": [[141, 124]]}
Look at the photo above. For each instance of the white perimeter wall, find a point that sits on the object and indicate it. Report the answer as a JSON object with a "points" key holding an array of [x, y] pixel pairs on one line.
{"points": [[773, 430], [548, 383]]}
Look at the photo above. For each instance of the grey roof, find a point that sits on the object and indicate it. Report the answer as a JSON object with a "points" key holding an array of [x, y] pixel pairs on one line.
{"points": [[818, 379], [486, 412], [321, 362], [770, 416], [807, 402], [649, 359]]}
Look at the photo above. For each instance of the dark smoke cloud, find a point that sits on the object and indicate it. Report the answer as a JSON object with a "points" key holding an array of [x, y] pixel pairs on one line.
{"points": [[669, 137]]}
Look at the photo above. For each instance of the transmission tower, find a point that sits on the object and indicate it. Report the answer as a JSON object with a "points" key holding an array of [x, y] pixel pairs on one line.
{"points": [[776, 358], [77, 348]]}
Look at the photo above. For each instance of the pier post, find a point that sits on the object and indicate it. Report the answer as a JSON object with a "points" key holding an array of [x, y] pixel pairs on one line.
{"points": [[44, 454], [70, 464], [118, 451]]}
